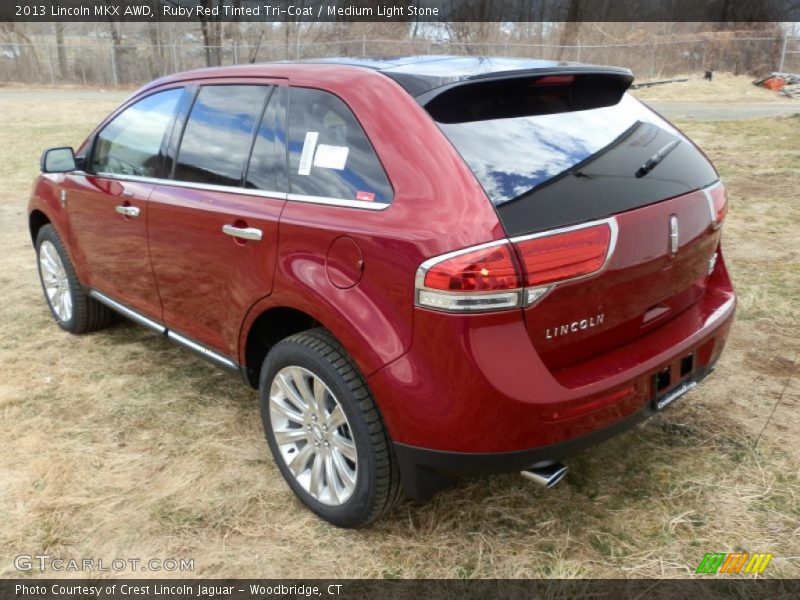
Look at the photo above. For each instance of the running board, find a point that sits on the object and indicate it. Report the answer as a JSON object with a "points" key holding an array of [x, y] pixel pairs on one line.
{"points": [[139, 318], [202, 350], [128, 312]]}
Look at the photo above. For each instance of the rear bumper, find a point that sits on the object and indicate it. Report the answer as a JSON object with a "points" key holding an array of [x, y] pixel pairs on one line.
{"points": [[427, 471], [472, 395]]}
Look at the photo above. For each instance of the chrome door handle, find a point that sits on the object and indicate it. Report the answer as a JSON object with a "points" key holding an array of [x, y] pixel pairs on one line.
{"points": [[128, 211], [243, 233]]}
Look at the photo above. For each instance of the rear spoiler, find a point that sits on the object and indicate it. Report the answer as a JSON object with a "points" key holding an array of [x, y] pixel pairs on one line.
{"points": [[514, 93]]}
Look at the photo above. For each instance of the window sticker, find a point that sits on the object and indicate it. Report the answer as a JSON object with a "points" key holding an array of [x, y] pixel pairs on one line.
{"points": [[331, 157], [307, 155], [365, 196]]}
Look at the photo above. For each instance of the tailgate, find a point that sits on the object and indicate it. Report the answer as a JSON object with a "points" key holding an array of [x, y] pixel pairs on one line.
{"points": [[557, 152], [643, 285]]}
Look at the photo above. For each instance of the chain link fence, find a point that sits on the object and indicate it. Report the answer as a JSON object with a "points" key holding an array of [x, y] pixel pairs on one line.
{"points": [[107, 64]]}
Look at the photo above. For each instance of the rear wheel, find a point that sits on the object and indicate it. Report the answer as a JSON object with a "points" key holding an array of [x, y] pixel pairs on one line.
{"points": [[325, 432], [72, 308]]}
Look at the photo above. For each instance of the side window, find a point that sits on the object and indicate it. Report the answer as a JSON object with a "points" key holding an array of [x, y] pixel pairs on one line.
{"points": [[132, 144], [218, 134], [329, 153], [267, 169]]}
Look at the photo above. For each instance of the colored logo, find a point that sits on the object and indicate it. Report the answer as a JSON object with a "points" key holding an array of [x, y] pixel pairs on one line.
{"points": [[733, 562]]}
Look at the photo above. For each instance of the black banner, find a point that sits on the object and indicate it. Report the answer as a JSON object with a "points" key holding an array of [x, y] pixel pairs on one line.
{"points": [[399, 10], [252, 589]]}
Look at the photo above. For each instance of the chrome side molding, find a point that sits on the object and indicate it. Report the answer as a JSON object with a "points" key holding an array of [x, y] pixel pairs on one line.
{"points": [[128, 312], [202, 350], [243, 191]]}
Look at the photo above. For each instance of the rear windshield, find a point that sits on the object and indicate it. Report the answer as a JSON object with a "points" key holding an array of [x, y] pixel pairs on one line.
{"points": [[551, 170]]}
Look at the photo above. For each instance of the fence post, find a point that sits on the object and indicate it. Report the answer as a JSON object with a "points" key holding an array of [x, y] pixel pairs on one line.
{"points": [[363, 44], [783, 54]]}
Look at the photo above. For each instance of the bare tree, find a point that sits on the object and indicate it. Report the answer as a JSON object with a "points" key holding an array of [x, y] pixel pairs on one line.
{"points": [[63, 69], [116, 49], [157, 57], [27, 60], [212, 37]]}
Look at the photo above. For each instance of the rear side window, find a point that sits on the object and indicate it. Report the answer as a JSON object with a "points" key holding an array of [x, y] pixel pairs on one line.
{"points": [[547, 162], [267, 168], [218, 134], [329, 153], [133, 143]]}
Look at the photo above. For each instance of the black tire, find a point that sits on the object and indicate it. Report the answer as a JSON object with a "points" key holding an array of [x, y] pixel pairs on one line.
{"points": [[87, 314], [377, 482]]}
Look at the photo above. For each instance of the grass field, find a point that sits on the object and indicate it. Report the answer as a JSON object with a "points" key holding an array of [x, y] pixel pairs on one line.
{"points": [[118, 444], [724, 87]]}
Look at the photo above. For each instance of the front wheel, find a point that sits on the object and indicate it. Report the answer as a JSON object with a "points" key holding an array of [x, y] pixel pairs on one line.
{"points": [[325, 432], [72, 308]]}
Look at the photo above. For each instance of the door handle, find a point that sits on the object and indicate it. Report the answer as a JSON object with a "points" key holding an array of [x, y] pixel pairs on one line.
{"points": [[243, 233], [128, 211]]}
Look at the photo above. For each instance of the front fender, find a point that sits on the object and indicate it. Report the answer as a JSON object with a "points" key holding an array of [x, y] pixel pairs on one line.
{"points": [[46, 199]]}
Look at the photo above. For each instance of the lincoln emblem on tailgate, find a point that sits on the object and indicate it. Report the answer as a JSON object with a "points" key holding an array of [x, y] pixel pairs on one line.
{"points": [[574, 326]]}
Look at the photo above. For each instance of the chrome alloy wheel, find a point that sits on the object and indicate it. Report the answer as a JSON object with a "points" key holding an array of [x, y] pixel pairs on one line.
{"points": [[313, 435], [55, 281]]}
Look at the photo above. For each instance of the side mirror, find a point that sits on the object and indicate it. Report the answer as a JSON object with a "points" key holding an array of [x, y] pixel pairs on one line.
{"points": [[58, 160]]}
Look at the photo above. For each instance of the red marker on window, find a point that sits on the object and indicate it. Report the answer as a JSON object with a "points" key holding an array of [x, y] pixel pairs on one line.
{"points": [[365, 196]]}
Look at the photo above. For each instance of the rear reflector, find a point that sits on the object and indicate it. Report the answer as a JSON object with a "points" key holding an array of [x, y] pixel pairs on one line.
{"points": [[488, 276], [593, 404], [717, 203], [570, 254], [467, 302]]}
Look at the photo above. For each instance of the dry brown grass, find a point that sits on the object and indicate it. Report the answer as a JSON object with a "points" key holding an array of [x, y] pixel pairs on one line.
{"points": [[724, 87], [118, 444]]}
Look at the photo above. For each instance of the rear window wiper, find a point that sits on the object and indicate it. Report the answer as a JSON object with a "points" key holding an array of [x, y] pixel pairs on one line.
{"points": [[656, 159]]}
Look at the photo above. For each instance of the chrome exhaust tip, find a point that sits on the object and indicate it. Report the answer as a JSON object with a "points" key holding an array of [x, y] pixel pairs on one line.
{"points": [[546, 476]]}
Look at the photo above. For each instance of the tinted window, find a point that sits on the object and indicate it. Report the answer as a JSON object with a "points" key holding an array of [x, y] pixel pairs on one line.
{"points": [[329, 153], [218, 134], [132, 144], [555, 170], [267, 169]]}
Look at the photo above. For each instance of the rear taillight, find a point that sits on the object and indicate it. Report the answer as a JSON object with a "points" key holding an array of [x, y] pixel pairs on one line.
{"points": [[717, 203], [569, 254], [489, 277], [484, 269], [483, 277]]}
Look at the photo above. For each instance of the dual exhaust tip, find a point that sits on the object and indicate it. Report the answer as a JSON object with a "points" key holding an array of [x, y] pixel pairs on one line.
{"points": [[546, 476]]}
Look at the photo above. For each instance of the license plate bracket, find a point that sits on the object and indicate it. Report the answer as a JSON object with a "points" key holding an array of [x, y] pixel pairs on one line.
{"points": [[664, 400]]}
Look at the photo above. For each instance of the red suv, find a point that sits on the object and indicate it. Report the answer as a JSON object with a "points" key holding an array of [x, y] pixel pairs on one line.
{"points": [[430, 267]]}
